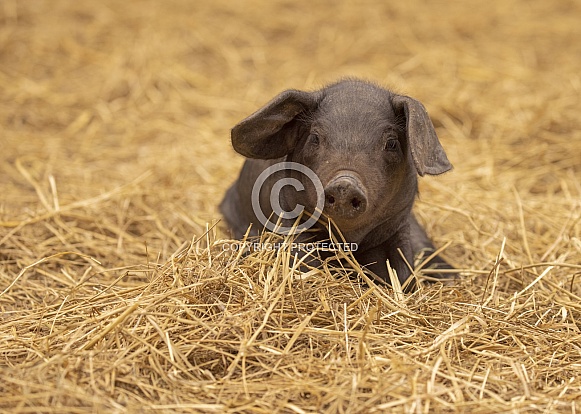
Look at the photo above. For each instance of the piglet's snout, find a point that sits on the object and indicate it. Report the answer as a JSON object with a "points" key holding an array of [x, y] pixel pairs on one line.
{"points": [[345, 197]]}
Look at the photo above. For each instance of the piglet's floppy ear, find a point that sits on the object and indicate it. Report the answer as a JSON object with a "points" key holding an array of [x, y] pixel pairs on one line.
{"points": [[427, 152], [273, 131]]}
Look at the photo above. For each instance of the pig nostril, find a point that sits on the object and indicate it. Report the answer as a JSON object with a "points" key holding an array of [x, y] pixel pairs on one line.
{"points": [[330, 199], [356, 203]]}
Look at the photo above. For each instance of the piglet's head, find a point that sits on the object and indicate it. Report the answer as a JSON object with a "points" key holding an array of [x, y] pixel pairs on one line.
{"points": [[366, 144]]}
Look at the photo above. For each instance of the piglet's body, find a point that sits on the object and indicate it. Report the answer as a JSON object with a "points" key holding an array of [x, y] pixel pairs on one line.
{"points": [[365, 144]]}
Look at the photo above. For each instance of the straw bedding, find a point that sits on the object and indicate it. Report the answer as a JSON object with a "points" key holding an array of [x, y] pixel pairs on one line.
{"points": [[119, 291]]}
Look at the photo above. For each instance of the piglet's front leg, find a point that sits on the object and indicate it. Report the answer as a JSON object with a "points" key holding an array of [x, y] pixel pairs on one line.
{"points": [[376, 258]]}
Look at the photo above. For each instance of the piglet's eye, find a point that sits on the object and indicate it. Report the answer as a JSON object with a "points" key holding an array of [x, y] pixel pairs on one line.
{"points": [[314, 139], [391, 144]]}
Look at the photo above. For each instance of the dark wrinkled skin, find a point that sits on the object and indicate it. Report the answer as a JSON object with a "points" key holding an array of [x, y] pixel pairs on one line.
{"points": [[366, 144]]}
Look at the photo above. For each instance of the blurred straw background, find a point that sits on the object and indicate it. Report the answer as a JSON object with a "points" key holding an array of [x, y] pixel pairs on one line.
{"points": [[117, 293]]}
